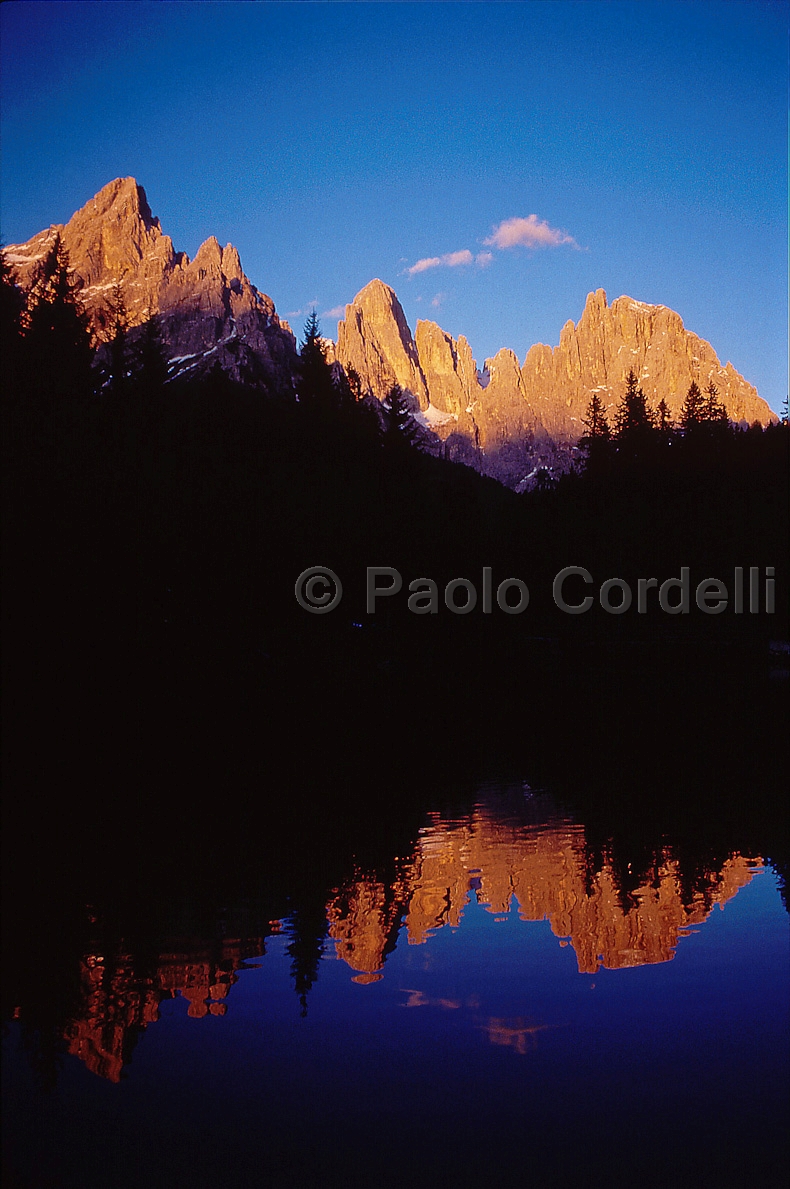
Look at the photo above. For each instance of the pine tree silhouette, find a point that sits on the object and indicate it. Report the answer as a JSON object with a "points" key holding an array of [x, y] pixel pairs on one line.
{"points": [[595, 420], [401, 430], [692, 412], [315, 384], [118, 381], [597, 441], [633, 417], [57, 334], [713, 409], [149, 362]]}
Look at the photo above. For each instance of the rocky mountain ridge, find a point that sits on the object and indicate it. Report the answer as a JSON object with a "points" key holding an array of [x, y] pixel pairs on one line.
{"points": [[547, 396], [507, 418], [207, 308]]}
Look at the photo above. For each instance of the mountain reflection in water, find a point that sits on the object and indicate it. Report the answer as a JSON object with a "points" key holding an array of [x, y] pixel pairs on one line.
{"points": [[379, 957], [543, 866], [512, 849]]}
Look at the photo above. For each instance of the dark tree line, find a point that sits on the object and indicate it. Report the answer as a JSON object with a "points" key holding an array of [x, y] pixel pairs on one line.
{"points": [[643, 437], [145, 513], [154, 529]]}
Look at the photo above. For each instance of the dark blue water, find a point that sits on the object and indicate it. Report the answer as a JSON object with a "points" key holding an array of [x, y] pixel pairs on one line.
{"points": [[493, 1009]]}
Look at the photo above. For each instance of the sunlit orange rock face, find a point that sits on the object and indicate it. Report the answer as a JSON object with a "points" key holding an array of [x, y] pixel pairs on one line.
{"points": [[541, 869], [375, 340], [116, 246], [438, 371], [118, 1002], [595, 355], [551, 392], [209, 312]]}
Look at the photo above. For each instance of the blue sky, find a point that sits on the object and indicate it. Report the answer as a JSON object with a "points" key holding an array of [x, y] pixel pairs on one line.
{"points": [[529, 152]]}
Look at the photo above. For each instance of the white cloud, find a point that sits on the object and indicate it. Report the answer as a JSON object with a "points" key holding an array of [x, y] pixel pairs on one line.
{"points": [[306, 309], [335, 312], [531, 232], [483, 259], [437, 300], [453, 259], [423, 265], [449, 260]]}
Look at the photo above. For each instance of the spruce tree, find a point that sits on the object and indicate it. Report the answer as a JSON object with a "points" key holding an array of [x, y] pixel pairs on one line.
{"points": [[315, 384], [118, 381], [664, 422], [58, 336], [713, 409], [595, 420], [597, 440], [12, 317], [401, 430], [149, 362], [693, 409], [633, 416], [635, 436]]}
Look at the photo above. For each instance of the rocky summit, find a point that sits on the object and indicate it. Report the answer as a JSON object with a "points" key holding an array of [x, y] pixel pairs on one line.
{"points": [[207, 308], [548, 396], [596, 353], [505, 418]]}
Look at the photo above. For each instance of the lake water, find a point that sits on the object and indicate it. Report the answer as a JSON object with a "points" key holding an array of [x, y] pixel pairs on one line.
{"points": [[491, 993]]}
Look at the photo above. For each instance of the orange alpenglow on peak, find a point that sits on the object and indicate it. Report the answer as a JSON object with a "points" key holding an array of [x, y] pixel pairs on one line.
{"points": [[115, 244], [549, 394], [210, 312]]}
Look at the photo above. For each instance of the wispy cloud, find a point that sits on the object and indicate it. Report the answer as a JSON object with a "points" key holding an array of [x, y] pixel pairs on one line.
{"points": [[308, 308], [437, 300], [335, 312], [531, 232], [449, 260]]}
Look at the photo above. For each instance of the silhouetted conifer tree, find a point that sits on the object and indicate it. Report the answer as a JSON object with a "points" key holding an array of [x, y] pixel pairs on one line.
{"points": [[597, 441], [12, 357], [315, 385], [401, 430], [12, 312], [595, 420], [57, 334], [118, 379], [713, 409], [692, 412], [633, 417], [635, 436], [149, 362], [664, 422], [354, 382]]}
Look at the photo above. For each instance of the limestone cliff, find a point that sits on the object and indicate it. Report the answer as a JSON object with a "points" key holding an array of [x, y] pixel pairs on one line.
{"points": [[547, 398], [508, 420], [375, 339], [596, 353], [483, 418], [207, 308]]}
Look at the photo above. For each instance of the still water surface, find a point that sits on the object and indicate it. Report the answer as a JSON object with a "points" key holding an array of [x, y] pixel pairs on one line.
{"points": [[500, 1004]]}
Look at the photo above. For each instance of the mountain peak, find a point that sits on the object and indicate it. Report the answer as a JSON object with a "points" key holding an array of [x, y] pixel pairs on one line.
{"points": [[122, 196], [114, 242], [596, 300], [375, 339]]}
